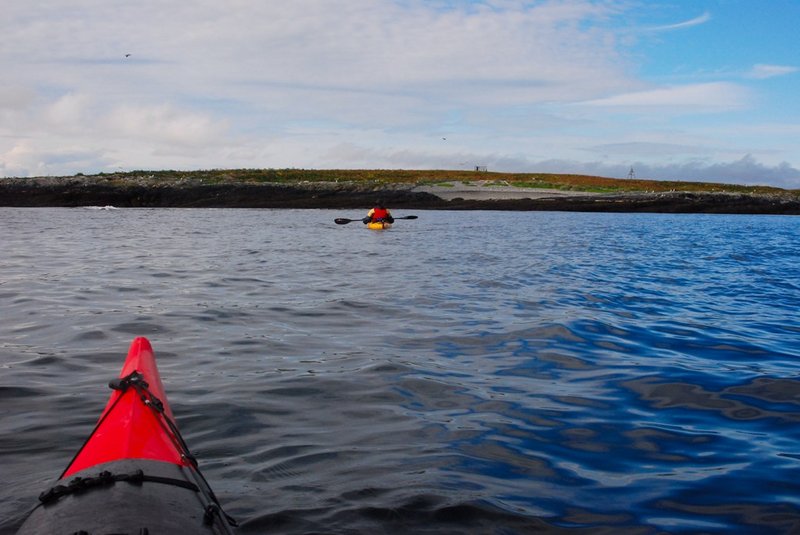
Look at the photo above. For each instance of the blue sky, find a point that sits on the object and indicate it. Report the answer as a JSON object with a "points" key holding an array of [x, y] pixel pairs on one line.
{"points": [[676, 89]]}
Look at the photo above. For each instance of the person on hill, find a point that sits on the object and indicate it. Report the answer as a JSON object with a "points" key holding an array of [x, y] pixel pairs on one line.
{"points": [[378, 213]]}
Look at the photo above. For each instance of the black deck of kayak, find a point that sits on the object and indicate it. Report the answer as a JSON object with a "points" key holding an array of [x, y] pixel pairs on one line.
{"points": [[131, 496]]}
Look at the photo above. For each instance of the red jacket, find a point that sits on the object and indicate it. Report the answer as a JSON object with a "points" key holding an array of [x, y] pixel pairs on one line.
{"points": [[379, 214]]}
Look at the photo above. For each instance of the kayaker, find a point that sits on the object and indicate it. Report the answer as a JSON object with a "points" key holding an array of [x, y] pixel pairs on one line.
{"points": [[377, 214]]}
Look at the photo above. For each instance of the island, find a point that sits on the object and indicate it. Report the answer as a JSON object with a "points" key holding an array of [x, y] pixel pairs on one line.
{"points": [[417, 189]]}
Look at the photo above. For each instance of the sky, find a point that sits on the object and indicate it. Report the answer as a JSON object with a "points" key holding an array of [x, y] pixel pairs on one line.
{"points": [[694, 90]]}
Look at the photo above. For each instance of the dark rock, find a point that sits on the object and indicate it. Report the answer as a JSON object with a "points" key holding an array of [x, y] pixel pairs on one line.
{"points": [[79, 191]]}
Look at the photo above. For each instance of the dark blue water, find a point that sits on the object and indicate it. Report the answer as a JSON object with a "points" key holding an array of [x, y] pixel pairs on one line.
{"points": [[467, 372]]}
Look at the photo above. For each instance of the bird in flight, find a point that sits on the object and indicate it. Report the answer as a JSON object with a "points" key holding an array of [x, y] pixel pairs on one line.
{"points": [[127, 55]]}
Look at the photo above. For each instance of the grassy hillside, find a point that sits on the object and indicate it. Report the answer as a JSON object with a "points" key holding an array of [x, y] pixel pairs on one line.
{"points": [[442, 177]]}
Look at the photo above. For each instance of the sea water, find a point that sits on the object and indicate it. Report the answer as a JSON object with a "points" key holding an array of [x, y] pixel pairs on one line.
{"points": [[465, 372]]}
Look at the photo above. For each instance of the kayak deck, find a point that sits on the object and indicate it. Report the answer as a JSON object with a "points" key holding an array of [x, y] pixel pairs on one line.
{"points": [[136, 496], [379, 225]]}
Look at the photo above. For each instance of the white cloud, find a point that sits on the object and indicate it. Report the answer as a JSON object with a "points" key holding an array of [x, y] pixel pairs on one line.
{"points": [[711, 97], [66, 112], [762, 71], [19, 160], [701, 19], [244, 73], [27, 158], [649, 149], [15, 97], [160, 124], [321, 83]]}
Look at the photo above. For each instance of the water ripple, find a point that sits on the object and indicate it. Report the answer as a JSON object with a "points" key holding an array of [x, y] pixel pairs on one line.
{"points": [[462, 373]]}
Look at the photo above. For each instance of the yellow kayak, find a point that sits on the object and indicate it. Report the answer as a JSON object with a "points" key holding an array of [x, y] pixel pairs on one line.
{"points": [[374, 225]]}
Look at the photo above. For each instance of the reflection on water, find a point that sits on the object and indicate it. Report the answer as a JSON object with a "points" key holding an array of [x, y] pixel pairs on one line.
{"points": [[478, 372]]}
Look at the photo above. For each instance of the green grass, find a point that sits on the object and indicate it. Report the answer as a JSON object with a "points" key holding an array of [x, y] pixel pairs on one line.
{"points": [[444, 178]]}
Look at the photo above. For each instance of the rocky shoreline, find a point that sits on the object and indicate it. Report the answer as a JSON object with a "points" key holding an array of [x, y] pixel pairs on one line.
{"points": [[86, 191]]}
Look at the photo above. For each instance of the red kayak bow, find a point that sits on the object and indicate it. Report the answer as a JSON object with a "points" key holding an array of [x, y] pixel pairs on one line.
{"points": [[134, 474], [137, 420]]}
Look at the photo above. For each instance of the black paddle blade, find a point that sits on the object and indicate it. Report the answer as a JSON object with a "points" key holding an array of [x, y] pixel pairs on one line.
{"points": [[344, 220]]}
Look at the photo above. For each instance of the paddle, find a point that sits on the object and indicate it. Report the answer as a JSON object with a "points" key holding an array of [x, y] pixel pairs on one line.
{"points": [[344, 220]]}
